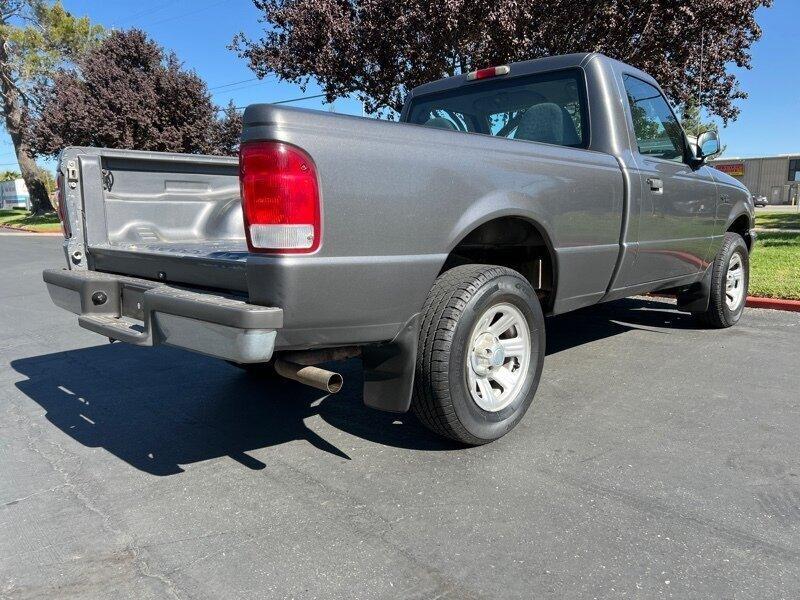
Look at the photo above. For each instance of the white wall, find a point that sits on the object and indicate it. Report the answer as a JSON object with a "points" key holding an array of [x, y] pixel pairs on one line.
{"points": [[14, 194]]}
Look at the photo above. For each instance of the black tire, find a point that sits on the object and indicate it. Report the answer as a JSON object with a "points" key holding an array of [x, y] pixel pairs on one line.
{"points": [[442, 400], [719, 315]]}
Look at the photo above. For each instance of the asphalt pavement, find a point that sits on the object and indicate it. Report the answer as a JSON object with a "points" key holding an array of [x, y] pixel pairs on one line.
{"points": [[658, 460]]}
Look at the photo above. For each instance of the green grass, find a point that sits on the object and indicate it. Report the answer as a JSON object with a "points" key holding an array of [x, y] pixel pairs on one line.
{"points": [[778, 220], [775, 266], [20, 219]]}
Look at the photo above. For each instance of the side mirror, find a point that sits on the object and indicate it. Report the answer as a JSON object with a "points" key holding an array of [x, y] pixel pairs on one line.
{"points": [[708, 144]]}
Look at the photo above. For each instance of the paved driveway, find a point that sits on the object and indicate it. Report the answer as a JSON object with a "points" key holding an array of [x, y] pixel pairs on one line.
{"points": [[658, 460]]}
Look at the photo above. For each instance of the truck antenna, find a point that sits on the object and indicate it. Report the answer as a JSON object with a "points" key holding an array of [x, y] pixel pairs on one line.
{"points": [[700, 87]]}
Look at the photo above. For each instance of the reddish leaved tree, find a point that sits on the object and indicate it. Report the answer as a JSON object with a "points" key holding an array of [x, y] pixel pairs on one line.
{"points": [[379, 49], [127, 93]]}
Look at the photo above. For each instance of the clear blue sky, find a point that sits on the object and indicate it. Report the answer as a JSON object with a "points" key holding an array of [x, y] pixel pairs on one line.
{"points": [[770, 119], [200, 30]]}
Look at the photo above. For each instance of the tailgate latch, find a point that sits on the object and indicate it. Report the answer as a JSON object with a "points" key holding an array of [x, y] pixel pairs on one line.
{"points": [[72, 174]]}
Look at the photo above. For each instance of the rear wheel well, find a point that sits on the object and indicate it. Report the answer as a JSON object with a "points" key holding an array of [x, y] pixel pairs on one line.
{"points": [[515, 243], [742, 226]]}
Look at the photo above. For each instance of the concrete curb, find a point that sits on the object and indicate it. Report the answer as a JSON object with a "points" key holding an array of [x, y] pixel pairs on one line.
{"points": [[23, 231], [754, 302], [773, 303]]}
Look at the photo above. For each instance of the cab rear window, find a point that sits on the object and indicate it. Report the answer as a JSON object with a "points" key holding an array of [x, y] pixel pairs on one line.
{"points": [[546, 107]]}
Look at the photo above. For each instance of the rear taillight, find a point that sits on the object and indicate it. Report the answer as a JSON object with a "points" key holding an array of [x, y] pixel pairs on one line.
{"points": [[280, 198], [62, 209], [490, 72]]}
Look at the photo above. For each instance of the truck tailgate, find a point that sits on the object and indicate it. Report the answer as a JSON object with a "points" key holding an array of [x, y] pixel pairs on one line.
{"points": [[161, 216]]}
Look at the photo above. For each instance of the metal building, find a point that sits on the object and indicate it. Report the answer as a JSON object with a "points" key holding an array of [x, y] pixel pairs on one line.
{"points": [[775, 177], [14, 194]]}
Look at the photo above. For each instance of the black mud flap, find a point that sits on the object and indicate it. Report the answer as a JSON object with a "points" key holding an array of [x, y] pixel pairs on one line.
{"points": [[698, 295], [389, 370]]}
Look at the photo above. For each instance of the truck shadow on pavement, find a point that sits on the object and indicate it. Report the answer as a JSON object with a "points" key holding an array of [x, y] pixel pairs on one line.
{"points": [[158, 409]]}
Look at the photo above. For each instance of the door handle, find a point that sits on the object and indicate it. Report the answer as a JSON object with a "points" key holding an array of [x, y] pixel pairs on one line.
{"points": [[656, 185]]}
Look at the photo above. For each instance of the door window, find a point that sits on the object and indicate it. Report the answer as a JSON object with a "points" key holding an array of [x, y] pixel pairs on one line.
{"points": [[658, 132]]}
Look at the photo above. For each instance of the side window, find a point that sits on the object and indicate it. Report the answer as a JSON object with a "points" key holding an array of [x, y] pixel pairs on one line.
{"points": [[658, 132]]}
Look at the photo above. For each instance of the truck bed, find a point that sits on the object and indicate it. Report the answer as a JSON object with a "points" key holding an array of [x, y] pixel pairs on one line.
{"points": [[146, 212]]}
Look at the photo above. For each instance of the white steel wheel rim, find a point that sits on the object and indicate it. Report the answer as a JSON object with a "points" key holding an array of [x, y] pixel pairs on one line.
{"points": [[734, 282], [498, 356]]}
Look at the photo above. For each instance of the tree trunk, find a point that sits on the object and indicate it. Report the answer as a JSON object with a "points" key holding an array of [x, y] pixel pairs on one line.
{"points": [[40, 197], [14, 114]]}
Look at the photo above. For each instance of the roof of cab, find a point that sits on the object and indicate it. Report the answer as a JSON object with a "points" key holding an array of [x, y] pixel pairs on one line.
{"points": [[528, 67]]}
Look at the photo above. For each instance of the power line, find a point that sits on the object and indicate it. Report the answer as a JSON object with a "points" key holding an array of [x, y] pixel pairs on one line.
{"points": [[150, 11], [278, 102], [186, 14], [236, 89], [224, 85], [298, 99]]}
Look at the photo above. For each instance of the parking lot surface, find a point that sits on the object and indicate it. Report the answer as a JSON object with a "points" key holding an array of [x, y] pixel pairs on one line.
{"points": [[658, 460]]}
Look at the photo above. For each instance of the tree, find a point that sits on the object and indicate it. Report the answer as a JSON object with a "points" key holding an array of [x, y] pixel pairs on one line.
{"points": [[692, 122], [128, 93], [227, 131], [47, 178], [379, 49], [9, 175], [36, 37]]}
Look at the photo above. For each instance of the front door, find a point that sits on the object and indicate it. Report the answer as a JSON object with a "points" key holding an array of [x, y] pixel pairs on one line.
{"points": [[679, 203]]}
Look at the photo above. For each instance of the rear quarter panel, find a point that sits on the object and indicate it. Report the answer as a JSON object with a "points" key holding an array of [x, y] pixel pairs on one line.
{"points": [[398, 197]]}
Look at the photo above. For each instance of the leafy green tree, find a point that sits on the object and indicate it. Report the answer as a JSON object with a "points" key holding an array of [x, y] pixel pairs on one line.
{"points": [[694, 125], [9, 175], [227, 131], [36, 38], [48, 179]]}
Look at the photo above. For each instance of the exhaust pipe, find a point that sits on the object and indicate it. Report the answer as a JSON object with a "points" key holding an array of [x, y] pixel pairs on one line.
{"points": [[321, 379]]}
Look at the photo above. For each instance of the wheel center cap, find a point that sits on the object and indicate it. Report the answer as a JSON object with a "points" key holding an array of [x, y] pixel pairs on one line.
{"points": [[487, 353]]}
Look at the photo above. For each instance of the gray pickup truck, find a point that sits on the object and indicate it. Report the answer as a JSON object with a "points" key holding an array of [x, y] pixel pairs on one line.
{"points": [[431, 248]]}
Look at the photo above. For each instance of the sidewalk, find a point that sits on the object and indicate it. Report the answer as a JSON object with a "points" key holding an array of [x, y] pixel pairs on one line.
{"points": [[770, 230], [14, 231]]}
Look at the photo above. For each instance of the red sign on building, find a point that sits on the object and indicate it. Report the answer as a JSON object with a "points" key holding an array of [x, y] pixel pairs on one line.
{"points": [[733, 169]]}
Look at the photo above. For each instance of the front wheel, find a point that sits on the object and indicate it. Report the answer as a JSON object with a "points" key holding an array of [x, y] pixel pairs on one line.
{"points": [[730, 277], [481, 352]]}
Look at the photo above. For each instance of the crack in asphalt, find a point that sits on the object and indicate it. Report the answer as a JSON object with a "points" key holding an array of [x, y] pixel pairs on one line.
{"points": [[139, 560]]}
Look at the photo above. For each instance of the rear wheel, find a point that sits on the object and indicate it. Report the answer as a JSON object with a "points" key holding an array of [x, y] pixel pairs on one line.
{"points": [[730, 277], [481, 351]]}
